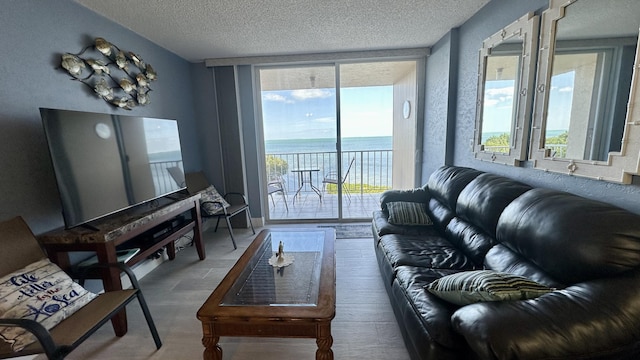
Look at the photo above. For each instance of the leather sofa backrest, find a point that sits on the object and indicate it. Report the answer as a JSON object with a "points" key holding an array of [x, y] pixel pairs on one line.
{"points": [[444, 186], [473, 227], [570, 238], [446, 183], [483, 200]]}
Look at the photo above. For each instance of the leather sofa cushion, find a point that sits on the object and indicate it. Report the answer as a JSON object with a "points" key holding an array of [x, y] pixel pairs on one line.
{"points": [[429, 251], [483, 200], [501, 258], [446, 183], [419, 195], [384, 227], [469, 239], [435, 313], [571, 238], [440, 215], [592, 320]]}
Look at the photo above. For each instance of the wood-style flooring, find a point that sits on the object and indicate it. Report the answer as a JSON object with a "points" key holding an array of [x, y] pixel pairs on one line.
{"points": [[364, 326]]}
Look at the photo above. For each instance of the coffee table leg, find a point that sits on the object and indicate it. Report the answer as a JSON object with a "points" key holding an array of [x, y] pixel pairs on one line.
{"points": [[324, 342], [212, 351]]}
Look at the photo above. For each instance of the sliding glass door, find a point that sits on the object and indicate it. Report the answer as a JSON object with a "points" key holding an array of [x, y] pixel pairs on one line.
{"points": [[299, 121], [329, 150]]}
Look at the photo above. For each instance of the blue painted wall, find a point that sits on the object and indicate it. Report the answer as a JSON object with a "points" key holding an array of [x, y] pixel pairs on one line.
{"points": [[33, 35], [490, 19]]}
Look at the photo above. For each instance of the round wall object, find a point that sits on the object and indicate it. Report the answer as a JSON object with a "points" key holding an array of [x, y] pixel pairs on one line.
{"points": [[406, 109], [103, 130]]}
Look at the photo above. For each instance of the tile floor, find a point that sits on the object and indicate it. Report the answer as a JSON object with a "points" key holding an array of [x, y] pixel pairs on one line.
{"points": [[364, 326], [308, 206]]}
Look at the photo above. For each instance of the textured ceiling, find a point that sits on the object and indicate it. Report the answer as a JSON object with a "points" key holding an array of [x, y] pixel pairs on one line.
{"points": [[204, 29]]}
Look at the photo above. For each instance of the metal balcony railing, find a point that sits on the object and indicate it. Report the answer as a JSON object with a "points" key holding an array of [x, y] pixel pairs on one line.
{"points": [[370, 172], [162, 180]]}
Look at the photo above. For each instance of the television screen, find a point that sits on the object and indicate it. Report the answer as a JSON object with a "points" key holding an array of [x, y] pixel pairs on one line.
{"points": [[105, 163]]}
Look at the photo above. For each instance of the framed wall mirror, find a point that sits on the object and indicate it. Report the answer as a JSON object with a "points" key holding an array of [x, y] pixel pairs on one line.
{"points": [[584, 121], [505, 83]]}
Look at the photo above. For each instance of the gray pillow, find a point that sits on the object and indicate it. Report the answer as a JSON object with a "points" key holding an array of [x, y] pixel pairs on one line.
{"points": [[468, 287], [408, 213]]}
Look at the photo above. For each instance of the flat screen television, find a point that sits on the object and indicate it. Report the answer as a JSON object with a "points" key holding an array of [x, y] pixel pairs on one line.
{"points": [[105, 163]]}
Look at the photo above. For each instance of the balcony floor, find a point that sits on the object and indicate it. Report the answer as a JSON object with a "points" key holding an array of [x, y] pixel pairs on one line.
{"points": [[307, 205]]}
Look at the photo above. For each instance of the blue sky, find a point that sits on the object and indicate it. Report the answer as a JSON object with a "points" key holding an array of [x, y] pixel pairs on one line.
{"points": [[498, 102], [497, 107], [311, 113]]}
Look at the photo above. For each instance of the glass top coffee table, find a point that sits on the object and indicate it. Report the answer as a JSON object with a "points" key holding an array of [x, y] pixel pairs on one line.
{"points": [[258, 299]]}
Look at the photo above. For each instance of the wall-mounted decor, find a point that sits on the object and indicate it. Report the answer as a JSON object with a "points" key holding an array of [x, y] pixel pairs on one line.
{"points": [[505, 92], [586, 119], [120, 78]]}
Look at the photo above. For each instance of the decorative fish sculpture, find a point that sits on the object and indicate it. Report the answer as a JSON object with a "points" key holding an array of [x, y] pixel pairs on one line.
{"points": [[103, 89], [103, 46], [127, 85], [98, 66], [72, 64]]}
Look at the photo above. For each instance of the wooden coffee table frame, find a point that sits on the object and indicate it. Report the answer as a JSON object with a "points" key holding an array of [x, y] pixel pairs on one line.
{"points": [[272, 321]]}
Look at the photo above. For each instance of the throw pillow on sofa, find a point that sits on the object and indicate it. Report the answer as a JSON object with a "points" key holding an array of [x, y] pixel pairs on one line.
{"points": [[408, 213], [468, 287], [42, 292]]}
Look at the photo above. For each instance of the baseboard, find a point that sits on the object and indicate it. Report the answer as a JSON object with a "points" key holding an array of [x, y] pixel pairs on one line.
{"points": [[257, 222]]}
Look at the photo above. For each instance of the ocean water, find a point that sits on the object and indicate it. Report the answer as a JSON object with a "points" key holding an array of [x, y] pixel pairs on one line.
{"points": [[372, 154], [293, 146], [548, 134]]}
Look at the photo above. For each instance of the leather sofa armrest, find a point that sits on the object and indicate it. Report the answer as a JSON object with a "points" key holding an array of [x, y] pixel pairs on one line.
{"points": [[585, 318], [419, 195]]}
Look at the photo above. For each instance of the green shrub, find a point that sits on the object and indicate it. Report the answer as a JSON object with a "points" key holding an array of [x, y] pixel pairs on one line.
{"points": [[276, 166], [355, 188]]}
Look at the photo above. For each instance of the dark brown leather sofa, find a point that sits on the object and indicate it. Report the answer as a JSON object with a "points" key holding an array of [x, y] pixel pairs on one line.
{"points": [[588, 251]]}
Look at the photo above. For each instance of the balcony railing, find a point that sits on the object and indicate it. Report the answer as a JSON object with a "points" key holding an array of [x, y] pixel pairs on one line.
{"points": [[162, 180], [370, 172]]}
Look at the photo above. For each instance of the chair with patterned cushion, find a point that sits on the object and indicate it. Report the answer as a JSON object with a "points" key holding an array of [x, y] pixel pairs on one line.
{"points": [[212, 204], [42, 310]]}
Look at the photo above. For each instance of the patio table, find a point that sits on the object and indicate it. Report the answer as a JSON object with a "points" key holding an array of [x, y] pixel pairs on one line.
{"points": [[302, 179]]}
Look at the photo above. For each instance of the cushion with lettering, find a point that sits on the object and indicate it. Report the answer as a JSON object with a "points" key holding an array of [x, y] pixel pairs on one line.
{"points": [[42, 292], [211, 201], [408, 213]]}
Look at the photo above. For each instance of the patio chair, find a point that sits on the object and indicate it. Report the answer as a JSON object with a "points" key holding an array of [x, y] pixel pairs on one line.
{"points": [[178, 175], [332, 178], [277, 186], [23, 258], [212, 204]]}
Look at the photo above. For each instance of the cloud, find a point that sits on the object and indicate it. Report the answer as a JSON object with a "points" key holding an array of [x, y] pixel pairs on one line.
{"points": [[508, 91], [268, 96], [305, 94], [566, 89], [493, 97]]}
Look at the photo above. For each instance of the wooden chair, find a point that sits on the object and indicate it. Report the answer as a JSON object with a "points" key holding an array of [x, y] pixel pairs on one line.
{"points": [[197, 183], [19, 249]]}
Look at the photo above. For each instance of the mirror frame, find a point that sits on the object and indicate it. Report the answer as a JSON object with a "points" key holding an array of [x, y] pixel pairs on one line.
{"points": [[525, 28], [619, 166]]}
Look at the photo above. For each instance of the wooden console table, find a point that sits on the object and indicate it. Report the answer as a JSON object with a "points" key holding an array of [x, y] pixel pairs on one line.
{"points": [[119, 228]]}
